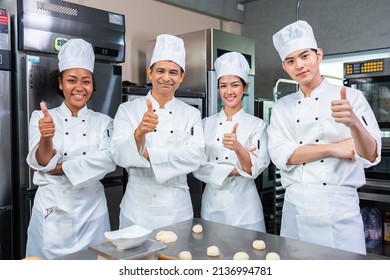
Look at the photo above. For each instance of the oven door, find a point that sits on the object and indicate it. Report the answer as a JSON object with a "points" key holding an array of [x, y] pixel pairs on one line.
{"points": [[381, 171], [377, 92]]}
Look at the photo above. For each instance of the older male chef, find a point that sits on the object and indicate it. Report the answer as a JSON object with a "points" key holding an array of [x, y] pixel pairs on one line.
{"points": [[321, 138], [159, 140]]}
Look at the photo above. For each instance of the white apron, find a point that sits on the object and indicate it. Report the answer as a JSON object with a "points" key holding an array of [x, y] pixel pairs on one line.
{"points": [[315, 217]]}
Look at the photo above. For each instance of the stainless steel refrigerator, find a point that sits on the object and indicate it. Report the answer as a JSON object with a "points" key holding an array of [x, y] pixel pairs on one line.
{"points": [[6, 209], [40, 28]]}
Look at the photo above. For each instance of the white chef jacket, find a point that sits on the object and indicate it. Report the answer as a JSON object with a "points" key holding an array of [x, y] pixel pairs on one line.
{"points": [[233, 200], [321, 204], [70, 211], [157, 192]]}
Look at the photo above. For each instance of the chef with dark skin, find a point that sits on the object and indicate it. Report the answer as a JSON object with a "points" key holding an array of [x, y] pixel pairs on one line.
{"points": [[70, 153]]}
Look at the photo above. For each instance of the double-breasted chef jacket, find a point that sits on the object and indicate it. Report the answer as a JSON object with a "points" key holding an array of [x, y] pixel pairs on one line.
{"points": [[157, 193], [321, 204], [233, 200], [70, 211]]}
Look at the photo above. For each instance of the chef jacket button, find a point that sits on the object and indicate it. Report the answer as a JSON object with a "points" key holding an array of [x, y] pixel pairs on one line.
{"points": [[297, 120], [67, 133], [316, 119], [299, 102], [154, 110], [317, 140], [171, 131], [217, 139], [304, 163], [316, 98], [66, 120], [65, 154], [216, 158], [322, 160], [170, 112], [226, 158], [155, 130], [324, 184], [300, 142], [84, 134], [84, 153], [220, 123], [83, 120]]}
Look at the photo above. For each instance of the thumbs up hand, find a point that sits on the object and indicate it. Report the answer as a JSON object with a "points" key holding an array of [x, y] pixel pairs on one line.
{"points": [[342, 111], [46, 124], [149, 121], [230, 139]]}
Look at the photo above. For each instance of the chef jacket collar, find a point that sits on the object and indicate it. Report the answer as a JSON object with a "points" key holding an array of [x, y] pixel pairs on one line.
{"points": [[316, 91], [66, 112], [169, 105], [236, 117]]}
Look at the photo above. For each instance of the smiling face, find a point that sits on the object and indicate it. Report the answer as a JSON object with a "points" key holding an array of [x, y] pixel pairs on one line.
{"points": [[77, 87], [231, 91], [303, 66], [166, 77]]}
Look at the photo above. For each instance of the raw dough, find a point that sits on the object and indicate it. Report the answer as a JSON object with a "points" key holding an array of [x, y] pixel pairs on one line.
{"points": [[213, 251], [166, 236], [185, 255], [272, 256], [197, 228], [258, 244], [241, 256]]}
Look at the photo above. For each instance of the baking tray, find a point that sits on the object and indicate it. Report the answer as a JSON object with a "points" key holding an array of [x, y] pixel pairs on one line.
{"points": [[146, 250]]}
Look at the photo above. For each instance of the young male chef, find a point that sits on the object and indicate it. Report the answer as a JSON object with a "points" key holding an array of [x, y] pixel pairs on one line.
{"points": [[159, 140], [321, 138]]}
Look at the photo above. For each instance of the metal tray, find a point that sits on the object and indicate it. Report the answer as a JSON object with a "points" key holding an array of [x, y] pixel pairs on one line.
{"points": [[146, 250]]}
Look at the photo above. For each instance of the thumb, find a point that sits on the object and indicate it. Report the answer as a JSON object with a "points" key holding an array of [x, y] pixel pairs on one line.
{"points": [[149, 105], [343, 93], [234, 128], [44, 109]]}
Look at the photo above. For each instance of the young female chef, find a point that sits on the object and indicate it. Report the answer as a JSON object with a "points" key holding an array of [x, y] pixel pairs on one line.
{"points": [[159, 140], [321, 138], [236, 149], [70, 152]]}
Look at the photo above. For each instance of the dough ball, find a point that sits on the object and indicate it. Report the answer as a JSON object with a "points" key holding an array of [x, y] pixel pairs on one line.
{"points": [[241, 256], [258, 245], [213, 251], [185, 255], [197, 228], [272, 256], [166, 236]]}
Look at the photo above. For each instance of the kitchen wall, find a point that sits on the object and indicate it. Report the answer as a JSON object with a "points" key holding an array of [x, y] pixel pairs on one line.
{"points": [[339, 26], [145, 19]]}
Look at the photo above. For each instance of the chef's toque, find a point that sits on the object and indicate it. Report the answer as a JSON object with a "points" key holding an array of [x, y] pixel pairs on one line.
{"points": [[295, 36], [76, 53], [169, 47], [232, 63]]}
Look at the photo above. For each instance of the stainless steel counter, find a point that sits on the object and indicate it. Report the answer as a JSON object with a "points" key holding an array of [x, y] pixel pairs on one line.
{"points": [[230, 240]]}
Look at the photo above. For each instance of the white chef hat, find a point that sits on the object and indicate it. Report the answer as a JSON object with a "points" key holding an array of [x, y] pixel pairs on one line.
{"points": [[76, 53], [295, 36], [169, 47], [232, 63]]}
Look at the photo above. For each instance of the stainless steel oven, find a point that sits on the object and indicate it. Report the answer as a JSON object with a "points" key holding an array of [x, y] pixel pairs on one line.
{"points": [[372, 77]]}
